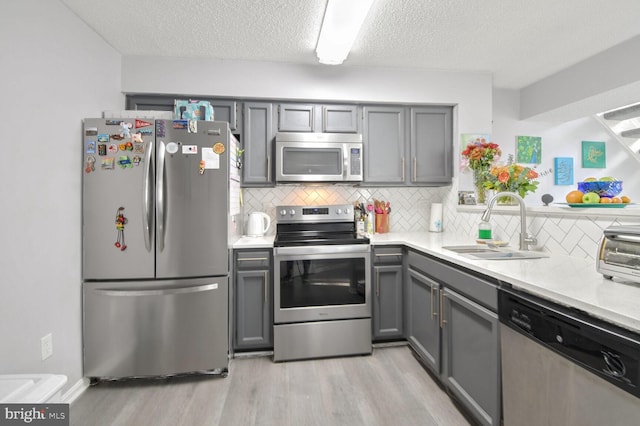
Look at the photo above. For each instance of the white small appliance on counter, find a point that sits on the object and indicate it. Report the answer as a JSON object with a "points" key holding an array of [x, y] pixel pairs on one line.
{"points": [[619, 253], [258, 224]]}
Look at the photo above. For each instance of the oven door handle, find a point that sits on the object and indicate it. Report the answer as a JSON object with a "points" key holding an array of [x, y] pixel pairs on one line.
{"points": [[326, 249]]}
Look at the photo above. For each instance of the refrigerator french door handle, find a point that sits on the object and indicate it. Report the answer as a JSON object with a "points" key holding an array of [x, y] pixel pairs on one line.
{"points": [[160, 201], [156, 291], [147, 207]]}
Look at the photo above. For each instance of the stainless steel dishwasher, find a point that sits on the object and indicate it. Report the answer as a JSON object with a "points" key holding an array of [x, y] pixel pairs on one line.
{"points": [[563, 367]]}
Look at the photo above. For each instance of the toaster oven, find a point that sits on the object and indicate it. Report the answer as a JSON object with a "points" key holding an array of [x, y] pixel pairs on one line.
{"points": [[619, 253]]}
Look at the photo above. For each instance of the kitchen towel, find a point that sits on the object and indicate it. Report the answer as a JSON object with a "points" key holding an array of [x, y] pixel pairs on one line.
{"points": [[435, 219]]}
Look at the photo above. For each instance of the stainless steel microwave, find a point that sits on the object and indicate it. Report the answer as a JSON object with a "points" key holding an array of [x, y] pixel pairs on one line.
{"points": [[318, 157]]}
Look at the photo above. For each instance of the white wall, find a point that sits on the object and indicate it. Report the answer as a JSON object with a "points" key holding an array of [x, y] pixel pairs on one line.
{"points": [[572, 235], [55, 71], [562, 140]]}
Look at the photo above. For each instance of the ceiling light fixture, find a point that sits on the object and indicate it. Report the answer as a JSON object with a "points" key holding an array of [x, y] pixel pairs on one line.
{"points": [[340, 26]]}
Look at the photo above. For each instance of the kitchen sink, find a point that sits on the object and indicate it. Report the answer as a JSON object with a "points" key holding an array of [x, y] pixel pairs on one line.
{"points": [[506, 255], [488, 253], [470, 249]]}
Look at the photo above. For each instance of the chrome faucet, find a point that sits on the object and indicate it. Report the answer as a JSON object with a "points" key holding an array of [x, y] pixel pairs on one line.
{"points": [[525, 238]]}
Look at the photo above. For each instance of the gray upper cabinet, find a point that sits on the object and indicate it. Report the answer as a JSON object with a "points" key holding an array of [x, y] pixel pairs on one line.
{"points": [[226, 111], [296, 118], [384, 145], [149, 103], [257, 141], [431, 145], [293, 117], [223, 109], [340, 118], [408, 145]]}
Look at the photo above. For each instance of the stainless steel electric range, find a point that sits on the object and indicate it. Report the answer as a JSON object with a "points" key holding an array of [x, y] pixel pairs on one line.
{"points": [[322, 288]]}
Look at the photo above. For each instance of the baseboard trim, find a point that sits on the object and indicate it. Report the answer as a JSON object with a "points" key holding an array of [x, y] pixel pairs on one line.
{"points": [[390, 344], [75, 391]]}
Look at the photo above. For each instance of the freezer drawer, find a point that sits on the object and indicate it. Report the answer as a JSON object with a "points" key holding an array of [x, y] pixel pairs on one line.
{"points": [[155, 328]]}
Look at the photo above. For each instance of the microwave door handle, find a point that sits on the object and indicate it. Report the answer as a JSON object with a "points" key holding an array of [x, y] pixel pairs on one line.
{"points": [[345, 163]]}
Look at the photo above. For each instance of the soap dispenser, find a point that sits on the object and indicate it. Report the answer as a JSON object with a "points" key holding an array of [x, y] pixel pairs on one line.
{"points": [[484, 230]]}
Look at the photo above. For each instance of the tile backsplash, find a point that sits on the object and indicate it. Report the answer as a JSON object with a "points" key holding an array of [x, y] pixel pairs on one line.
{"points": [[576, 236], [409, 206]]}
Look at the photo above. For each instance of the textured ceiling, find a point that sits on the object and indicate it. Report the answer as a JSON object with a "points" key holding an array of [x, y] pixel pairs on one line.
{"points": [[519, 41]]}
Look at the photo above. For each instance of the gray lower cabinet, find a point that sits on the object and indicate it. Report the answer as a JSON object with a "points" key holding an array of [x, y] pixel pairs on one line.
{"points": [[423, 316], [253, 296], [258, 143], [388, 294], [453, 327], [470, 355]]}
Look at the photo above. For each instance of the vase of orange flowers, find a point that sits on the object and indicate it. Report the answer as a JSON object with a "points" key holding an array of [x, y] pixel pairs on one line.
{"points": [[511, 178], [479, 155]]}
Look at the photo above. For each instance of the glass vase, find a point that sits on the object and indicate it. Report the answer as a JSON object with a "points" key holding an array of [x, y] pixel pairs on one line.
{"points": [[506, 201], [478, 182]]}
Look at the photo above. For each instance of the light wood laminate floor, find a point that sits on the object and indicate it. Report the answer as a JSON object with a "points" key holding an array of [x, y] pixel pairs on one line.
{"points": [[389, 387]]}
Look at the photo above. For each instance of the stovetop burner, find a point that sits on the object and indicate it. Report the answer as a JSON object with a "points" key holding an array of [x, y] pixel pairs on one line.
{"points": [[316, 225]]}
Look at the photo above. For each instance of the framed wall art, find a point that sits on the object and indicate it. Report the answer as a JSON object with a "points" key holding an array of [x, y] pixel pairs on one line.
{"points": [[563, 171], [594, 155], [529, 149]]}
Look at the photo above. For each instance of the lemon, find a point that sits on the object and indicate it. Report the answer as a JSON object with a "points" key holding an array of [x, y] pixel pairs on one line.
{"points": [[607, 179], [590, 179]]}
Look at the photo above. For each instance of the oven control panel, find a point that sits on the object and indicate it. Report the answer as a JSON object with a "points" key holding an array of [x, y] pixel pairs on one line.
{"points": [[331, 213]]}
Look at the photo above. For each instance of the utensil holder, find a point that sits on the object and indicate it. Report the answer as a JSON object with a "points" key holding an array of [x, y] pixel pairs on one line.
{"points": [[382, 223]]}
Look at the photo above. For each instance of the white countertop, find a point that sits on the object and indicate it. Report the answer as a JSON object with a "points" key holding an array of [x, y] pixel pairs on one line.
{"points": [[565, 280], [245, 242]]}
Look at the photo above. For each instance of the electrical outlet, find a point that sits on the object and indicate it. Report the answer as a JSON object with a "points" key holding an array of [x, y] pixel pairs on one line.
{"points": [[46, 345]]}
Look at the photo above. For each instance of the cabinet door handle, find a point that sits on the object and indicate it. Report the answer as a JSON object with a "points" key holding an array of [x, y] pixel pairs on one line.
{"points": [[415, 167], [403, 169], [252, 259], [377, 283], [388, 254], [268, 168], [266, 286], [433, 311], [442, 320]]}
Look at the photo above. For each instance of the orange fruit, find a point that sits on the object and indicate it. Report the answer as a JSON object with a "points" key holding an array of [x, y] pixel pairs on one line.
{"points": [[616, 200], [605, 200], [574, 197], [625, 199]]}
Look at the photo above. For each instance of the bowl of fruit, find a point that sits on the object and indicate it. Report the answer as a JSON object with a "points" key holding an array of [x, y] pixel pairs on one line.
{"points": [[605, 187]]}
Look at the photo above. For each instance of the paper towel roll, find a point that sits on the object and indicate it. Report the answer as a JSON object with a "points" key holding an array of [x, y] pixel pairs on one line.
{"points": [[435, 218]]}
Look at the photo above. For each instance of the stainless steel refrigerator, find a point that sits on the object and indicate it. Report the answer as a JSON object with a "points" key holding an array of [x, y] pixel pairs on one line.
{"points": [[156, 224]]}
